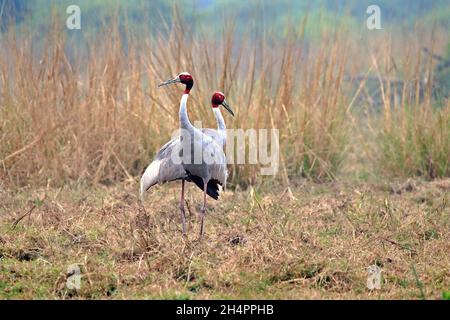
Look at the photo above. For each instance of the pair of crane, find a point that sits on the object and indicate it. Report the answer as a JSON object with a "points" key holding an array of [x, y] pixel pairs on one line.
{"points": [[176, 160]]}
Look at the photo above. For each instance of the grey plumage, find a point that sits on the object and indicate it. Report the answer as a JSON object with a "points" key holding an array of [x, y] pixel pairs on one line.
{"points": [[213, 160], [163, 169]]}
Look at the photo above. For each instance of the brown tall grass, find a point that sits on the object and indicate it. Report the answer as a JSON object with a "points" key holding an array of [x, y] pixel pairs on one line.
{"points": [[412, 134], [97, 115]]}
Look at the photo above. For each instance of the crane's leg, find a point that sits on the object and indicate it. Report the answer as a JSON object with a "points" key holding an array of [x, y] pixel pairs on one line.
{"points": [[203, 209], [182, 212]]}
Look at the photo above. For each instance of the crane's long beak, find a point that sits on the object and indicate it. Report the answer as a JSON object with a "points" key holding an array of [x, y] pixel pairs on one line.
{"points": [[226, 106], [174, 80]]}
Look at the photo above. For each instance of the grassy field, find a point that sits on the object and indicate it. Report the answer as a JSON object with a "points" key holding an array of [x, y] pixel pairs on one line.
{"points": [[258, 243], [363, 177]]}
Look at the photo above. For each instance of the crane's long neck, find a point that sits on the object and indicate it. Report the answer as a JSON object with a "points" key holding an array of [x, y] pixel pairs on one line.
{"points": [[184, 118], [221, 128], [219, 120]]}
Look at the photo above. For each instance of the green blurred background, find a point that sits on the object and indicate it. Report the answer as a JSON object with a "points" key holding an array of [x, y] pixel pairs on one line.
{"points": [[257, 19], [203, 13]]}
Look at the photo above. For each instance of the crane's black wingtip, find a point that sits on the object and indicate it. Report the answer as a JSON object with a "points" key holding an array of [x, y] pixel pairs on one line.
{"points": [[212, 189]]}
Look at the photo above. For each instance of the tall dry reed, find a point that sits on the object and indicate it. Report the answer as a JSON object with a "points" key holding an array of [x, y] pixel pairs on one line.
{"points": [[95, 114], [412, 133]]}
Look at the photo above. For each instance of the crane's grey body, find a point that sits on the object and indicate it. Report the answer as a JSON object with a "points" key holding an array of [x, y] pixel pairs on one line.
{"points": [[207, 160], [164, 169]]}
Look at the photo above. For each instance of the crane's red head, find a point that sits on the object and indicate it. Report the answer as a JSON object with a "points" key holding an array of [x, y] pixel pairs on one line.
{"points": [[184, 78], [217, 99]]}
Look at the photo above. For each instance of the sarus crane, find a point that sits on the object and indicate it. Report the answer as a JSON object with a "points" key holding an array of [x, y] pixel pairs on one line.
{"points": [[207, 175]]}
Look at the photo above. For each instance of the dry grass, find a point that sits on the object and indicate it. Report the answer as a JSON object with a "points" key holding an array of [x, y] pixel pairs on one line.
{"points": [[416, 143], [411, 135], [258, 244], [97, 116], [77, 127]]}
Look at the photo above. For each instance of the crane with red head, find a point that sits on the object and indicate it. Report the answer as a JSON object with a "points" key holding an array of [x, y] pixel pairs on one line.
{"points": [[207, 175]]}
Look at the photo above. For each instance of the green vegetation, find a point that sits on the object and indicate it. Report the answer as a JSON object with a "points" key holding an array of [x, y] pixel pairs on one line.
{"points": [[201, 14]]}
